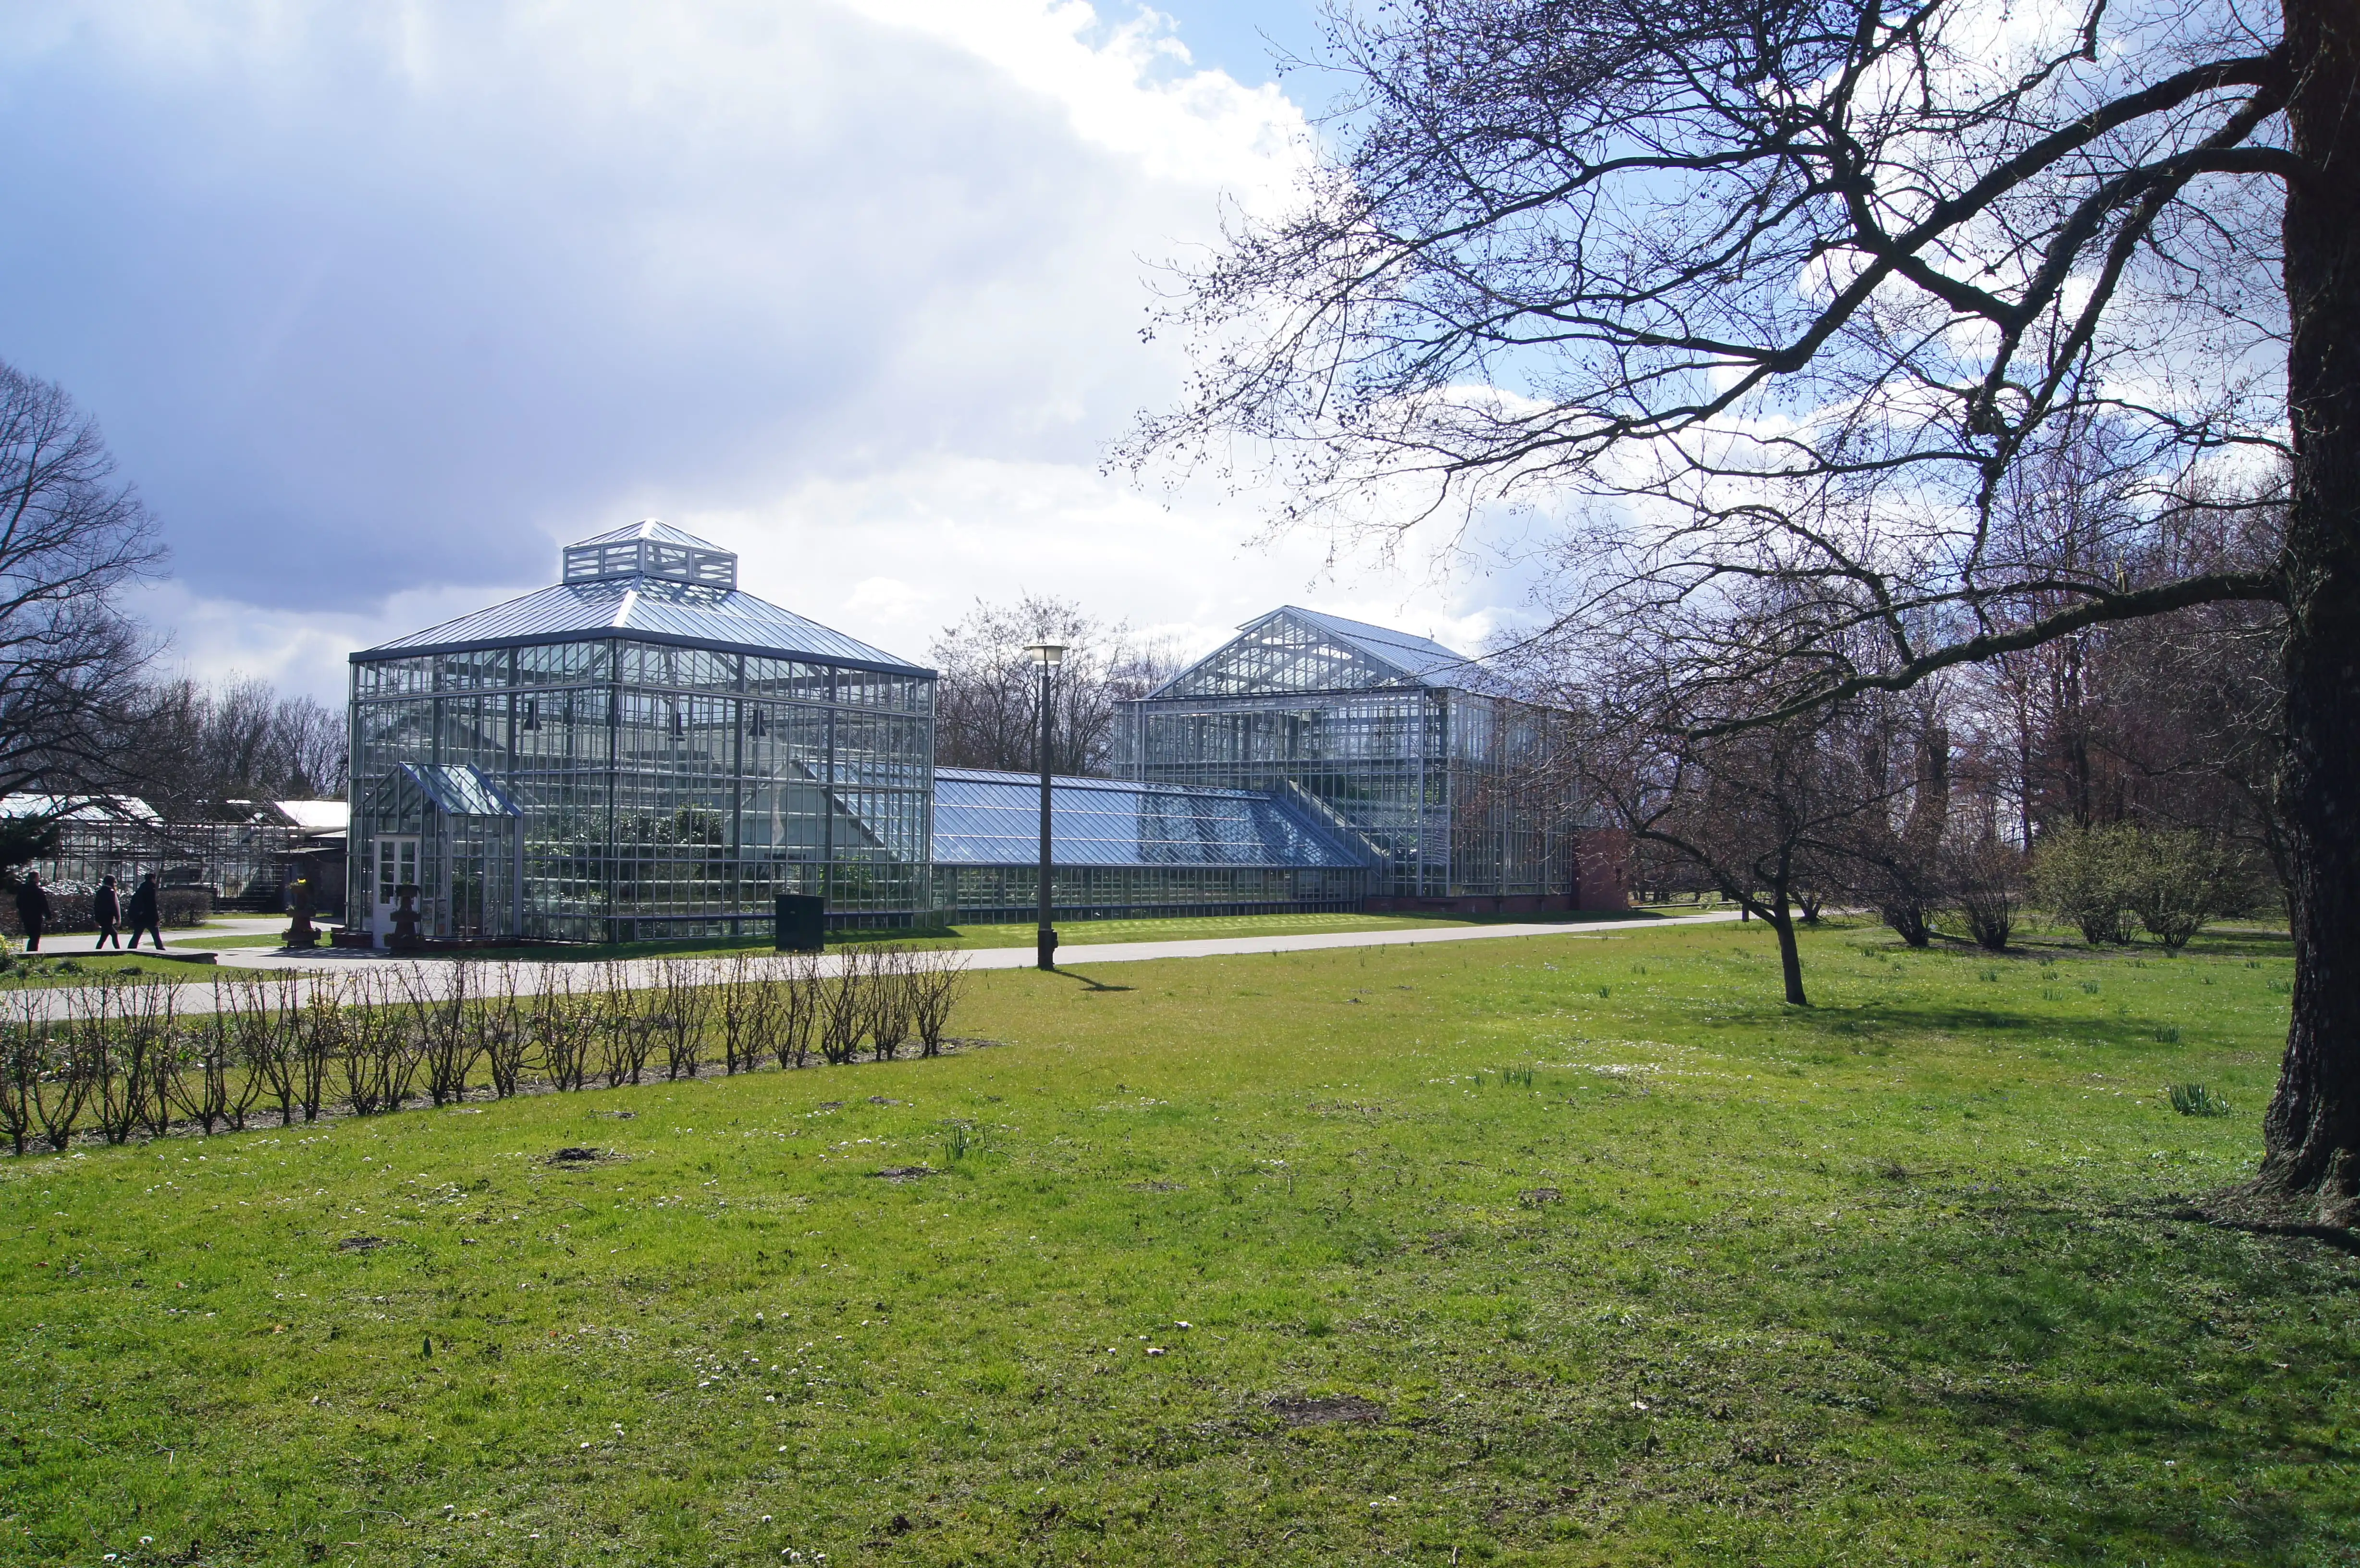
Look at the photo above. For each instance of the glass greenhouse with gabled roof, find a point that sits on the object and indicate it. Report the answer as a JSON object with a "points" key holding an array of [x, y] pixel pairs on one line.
{"points": [[1451, 785], [642, 750]]}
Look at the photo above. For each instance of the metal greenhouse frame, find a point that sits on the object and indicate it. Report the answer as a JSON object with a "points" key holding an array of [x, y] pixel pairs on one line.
{"points": [[676, 752], [1452, 786]]}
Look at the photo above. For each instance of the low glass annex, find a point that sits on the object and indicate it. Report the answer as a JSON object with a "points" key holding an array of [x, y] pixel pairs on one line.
{"points": [[674, 751], [1119, 848]]}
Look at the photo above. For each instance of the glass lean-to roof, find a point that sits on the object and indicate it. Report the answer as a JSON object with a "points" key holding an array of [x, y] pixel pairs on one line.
{"points": [[459, 789], [994, 818], [674, 587]]}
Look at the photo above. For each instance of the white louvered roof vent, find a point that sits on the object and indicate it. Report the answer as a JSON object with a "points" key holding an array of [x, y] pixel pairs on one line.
{"points": [[651, 549]]}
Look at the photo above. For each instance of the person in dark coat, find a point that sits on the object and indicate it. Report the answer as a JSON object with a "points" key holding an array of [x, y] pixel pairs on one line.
{"points": [[106, 910], [145, 915], [32, 910]]}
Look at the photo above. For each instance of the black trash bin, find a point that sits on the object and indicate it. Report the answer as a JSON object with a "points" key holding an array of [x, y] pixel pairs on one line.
{"points": [[802, 923]]}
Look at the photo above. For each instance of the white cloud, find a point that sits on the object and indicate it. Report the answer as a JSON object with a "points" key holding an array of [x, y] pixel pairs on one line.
{"points": [[381, 306]]}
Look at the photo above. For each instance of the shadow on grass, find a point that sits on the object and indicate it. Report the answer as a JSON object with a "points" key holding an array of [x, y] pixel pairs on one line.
{"points": [[1088, 983], [2111, 1371]]}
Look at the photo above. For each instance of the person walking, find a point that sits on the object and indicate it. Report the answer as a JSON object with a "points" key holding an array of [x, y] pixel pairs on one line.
{"points": [[107, 909], [144, 914], [32, 909]]}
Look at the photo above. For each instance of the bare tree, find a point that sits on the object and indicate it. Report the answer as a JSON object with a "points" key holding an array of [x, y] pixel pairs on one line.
{"points": [[243, 740], [988, 701], [1769, 816], [72, 536], [1798, 288]]}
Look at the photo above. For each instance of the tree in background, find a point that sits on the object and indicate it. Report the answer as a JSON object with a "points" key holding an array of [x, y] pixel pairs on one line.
{"points": [[242, 740], [987, 698], [73, 537], [1793, 290]]}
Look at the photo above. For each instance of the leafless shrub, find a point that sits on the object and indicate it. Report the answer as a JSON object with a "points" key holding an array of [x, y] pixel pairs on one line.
{"points": [[59, 1086], [625, 1038], [564, 1025], [268, 1026], [502, 1036], [323, 1041], [936, 983], [741, 1004], [115, 1081], [1987, 888], [887, 1001], [257, 1049], [686, 1007], [379, 1056], [209, 1062], [150, 1042], [21, 1065], [438, 1018], [790, 987], [842, 1006]]}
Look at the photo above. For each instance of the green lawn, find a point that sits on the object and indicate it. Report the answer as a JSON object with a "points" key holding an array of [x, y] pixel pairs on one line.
{"points": [[59, 965], [1901, 1279]]}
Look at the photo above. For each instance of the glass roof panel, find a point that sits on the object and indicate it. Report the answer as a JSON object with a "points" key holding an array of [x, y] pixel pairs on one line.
{"points": [[708, 617]]}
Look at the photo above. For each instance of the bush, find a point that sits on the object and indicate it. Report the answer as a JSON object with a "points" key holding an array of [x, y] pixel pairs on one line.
{"points": [[69, 910], [1986, 889], [2083, 876], [2178, 881], [2174, 882]]}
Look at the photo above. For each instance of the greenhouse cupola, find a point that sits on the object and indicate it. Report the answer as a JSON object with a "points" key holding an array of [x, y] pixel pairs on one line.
{"points": [[651, 549]]}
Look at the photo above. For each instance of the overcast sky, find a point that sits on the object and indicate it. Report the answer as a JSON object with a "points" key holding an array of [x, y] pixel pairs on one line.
{"points": [[381, 303]]}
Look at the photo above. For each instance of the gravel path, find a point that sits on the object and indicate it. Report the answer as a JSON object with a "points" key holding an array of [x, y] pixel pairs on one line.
{"points": [[197, 996]]}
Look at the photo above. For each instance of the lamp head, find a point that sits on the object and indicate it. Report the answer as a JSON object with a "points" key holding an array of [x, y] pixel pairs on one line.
{"points": [[1047, 653]]}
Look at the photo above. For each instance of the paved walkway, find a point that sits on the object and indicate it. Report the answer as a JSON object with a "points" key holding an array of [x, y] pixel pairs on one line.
{"points": [[197, 996]]}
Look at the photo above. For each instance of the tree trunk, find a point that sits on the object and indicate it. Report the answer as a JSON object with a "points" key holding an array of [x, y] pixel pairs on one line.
{"points": [[1781, 916], [2310, 1165]]}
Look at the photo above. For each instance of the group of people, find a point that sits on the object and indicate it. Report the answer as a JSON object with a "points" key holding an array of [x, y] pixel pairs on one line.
{"points": [[107, 907]]}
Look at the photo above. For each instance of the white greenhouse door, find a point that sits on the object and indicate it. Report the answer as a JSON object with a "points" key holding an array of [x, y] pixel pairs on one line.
{"points": [[396, 866]]}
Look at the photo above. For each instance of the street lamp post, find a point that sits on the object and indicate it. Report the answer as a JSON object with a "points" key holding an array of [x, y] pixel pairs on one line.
{"points": [[1048, 656]]}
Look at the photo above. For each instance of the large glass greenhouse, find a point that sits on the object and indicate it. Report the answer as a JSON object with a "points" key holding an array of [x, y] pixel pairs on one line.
{"points": [[1460, 792], [642, 750]]}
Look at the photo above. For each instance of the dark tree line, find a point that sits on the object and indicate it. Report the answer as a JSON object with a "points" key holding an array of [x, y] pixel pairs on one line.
{"points": [[80, 711], [1783, 305]]}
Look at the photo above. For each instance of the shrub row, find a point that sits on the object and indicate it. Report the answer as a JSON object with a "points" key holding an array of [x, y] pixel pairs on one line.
{"points": [[121, 1063]]}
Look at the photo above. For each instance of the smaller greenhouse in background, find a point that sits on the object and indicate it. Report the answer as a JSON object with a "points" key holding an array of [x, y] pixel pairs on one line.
{"points": [[1463, 793], [1119, 849]]}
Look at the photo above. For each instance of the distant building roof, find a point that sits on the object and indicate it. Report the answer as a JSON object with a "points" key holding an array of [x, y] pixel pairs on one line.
{"points": [[316, 816], [994, 818], [79, 807]]}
